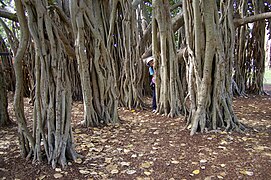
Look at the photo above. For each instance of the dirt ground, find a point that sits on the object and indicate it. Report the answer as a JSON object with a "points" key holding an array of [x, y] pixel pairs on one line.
{"points": [[150, 146]]}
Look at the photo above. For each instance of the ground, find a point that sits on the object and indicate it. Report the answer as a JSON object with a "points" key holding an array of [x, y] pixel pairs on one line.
{"points": [[150, 146]]}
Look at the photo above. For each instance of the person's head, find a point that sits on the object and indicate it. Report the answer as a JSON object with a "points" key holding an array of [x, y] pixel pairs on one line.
{"points": [[149, 61]]}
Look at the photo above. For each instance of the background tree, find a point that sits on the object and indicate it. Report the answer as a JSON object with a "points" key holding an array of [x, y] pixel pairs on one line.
{"points": [[123, 38], [96, 65], [249, 62]]}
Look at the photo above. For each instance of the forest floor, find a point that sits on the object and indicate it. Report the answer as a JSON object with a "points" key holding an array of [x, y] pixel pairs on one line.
{"points": [[150, 146]]}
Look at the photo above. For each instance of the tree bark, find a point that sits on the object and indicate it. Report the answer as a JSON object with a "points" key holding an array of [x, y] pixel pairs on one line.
{"points": [[96, 65], [52, 133], [166, 63], [209, 58], [4, 117]]}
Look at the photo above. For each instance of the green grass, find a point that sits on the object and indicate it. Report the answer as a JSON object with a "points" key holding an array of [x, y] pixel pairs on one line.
{"points": [[267, 76]]}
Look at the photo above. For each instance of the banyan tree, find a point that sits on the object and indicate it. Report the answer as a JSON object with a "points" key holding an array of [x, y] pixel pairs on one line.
{"points": [[249, 64], [168, 84], [210, 41], [93, 50], [51, 130]]}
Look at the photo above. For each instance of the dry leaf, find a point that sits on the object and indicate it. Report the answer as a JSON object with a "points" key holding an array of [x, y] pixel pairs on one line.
{"points": [[223, 174], [146, 164], [84, 171], [147, 173], [58, 170], [58, 175], [260, 148], [130, 171], [126, 151], [209, 178], [134, 156], [175, 162], [203, 161], [78, 161], [108, 160], [249, 173], [42, 177], [197, 171], [125, 163], [114, 171]]}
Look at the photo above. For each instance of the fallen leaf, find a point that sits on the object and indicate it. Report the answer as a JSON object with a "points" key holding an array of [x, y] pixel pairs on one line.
{"points": [[114, 171], [146, 164], [209, 178], [203, 161], [249, 173], [134, 156], [197, 171], [58, 170], [78, 161], [223, 174], [260, 148], [125, 163], [147, 173], [223, 142], [42, 177], [267, 154], [130, 171], [175, 162], [126, 151], [222, 147], [58, 175], [84, 171], [108, 160], [113, 168]]}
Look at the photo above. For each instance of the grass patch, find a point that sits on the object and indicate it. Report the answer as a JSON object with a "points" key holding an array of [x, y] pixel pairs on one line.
{"points": [[267, 76]]}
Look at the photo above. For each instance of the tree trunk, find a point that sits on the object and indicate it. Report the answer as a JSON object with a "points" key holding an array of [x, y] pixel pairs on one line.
{"points": [[255, 63], [96, 65], [52, 133], [209, 58], [125, 50], [4, 118], [168, 87], [249, 65]]}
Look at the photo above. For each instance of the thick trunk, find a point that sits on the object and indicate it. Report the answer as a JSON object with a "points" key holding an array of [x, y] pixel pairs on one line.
{"points": [[209, 87], [96, 65], [52, 133], [166, 62]]}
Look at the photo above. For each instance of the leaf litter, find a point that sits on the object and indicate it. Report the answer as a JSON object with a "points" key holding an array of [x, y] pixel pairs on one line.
{"points": [[150, 146]]}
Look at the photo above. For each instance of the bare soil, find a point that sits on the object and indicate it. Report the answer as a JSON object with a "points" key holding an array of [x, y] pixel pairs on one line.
{"points": [[150, 146]]}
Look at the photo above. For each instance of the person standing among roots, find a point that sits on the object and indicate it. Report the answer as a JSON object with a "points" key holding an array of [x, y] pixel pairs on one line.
{"points": [[150, 63]]}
